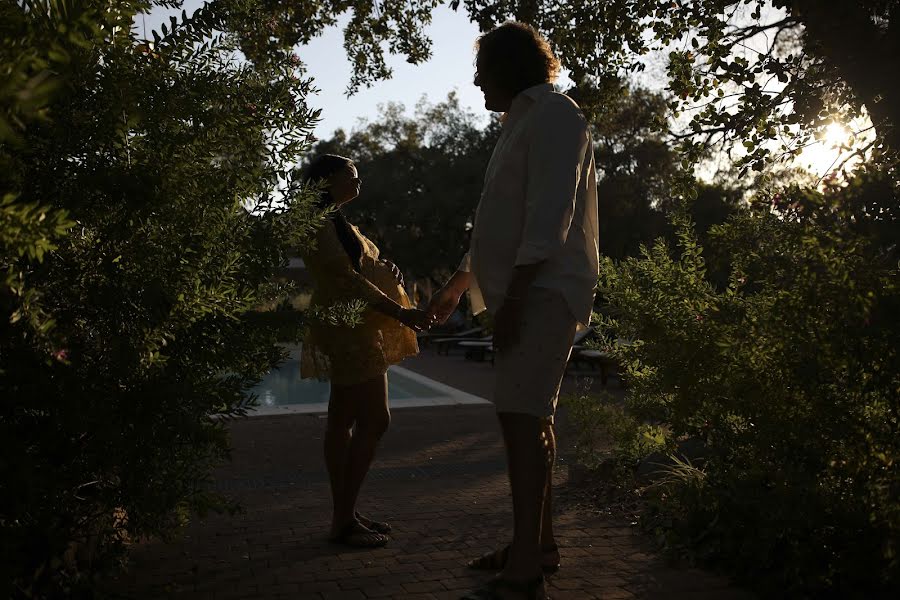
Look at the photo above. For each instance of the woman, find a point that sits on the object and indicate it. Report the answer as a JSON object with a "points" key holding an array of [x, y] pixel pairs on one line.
{"points": [[344, 266]]}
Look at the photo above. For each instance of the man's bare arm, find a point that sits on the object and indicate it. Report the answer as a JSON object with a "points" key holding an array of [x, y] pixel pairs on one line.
{"points": [[445, 301]]}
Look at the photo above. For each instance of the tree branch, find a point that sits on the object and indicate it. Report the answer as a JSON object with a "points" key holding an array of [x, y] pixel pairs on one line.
{"points": [[843, 32], [744, 33]]}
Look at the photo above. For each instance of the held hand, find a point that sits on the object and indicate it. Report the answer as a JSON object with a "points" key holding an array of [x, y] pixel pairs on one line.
{"points": [[507, 325], [442, 304], [415, 319]]}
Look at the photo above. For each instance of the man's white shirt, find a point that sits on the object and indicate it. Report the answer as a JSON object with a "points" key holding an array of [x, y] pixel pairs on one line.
{"points": [[538, 204]]}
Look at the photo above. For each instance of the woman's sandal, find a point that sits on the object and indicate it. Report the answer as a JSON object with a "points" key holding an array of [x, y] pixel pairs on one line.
{"points": [[528, 590], [376, 526], [496, 560], [355, 534]]}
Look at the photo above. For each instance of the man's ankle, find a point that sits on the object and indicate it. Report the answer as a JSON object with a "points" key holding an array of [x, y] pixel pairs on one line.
{"points": [[523, 572], [524, 558]]}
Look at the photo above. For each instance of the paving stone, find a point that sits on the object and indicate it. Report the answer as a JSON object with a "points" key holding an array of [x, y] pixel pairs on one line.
{"points": [[424, 586], [344, 595], [438, 478], [385, 591]]}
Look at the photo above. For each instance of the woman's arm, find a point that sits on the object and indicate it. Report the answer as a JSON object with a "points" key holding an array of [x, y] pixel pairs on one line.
{"points": [[357, 286], [331, 261], [361, 287]]}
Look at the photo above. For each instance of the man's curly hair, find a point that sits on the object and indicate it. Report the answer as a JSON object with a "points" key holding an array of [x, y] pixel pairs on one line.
{"points": [[517, 56]]}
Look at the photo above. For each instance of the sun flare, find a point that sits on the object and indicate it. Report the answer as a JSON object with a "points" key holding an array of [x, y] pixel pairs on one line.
{"points": [[832, 144], [836, 136]]}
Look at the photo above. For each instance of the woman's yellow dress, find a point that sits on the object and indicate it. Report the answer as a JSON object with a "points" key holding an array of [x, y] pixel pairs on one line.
{"points": [[343, 354]]}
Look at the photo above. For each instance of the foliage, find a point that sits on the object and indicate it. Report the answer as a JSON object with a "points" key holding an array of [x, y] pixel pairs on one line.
{"points": [[760, 75], [788, 376], [346, 314], [638, 171], [764, 74], [147, 197], [635, 166], [269, 28], [604, 431]]}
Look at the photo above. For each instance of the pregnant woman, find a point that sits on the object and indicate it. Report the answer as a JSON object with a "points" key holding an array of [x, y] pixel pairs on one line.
{"points": [[345, 266]]}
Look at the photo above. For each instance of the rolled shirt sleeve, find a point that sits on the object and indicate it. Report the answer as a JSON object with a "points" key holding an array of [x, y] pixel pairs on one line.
{"points": [[555, 159], [465, 265]]}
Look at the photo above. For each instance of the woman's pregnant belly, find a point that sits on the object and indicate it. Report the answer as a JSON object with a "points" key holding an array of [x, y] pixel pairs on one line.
{"points": [[383, 278]]}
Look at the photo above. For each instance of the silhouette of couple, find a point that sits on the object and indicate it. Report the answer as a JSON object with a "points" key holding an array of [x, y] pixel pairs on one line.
{"points": [[532, 264]]}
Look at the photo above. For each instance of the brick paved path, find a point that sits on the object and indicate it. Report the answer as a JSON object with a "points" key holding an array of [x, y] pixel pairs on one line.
{"points": [[439, 480]]}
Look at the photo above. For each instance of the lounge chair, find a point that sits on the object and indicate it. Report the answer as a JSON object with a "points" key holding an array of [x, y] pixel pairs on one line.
{"points": [[444, 344], [478, 349], [598, 359], [580, 336]]}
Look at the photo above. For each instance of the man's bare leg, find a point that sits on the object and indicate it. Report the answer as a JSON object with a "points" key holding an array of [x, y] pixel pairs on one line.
{"points": [[529, 460], [549, 552], [548, 539]]}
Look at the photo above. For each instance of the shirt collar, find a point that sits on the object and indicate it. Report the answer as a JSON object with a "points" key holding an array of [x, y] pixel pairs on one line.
{"points": [[527, 97], [536, 91]]}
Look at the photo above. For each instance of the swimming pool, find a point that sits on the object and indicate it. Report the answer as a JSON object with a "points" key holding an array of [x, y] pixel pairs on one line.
{"points": [[282, 391]]}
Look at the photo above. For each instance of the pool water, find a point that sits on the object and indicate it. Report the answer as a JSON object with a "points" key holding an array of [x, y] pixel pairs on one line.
{"points": [[282, 390]]}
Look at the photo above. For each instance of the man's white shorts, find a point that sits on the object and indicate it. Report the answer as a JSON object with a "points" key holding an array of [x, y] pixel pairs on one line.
{"points": [[529, 374]]}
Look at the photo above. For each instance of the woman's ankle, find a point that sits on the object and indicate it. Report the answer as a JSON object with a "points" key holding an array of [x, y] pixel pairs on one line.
{"points": [[340, 521]]}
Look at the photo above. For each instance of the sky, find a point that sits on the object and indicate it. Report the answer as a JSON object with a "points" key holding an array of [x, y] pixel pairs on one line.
{"points": [[450, 68]]}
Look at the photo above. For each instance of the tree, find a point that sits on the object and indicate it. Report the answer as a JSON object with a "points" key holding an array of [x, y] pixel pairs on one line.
{"points": [[750, 71], [372, 28], [147, 196], [637, 169], [422, 179], [755, 72]]}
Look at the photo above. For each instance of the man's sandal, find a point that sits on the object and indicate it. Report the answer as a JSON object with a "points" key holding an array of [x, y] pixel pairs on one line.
{"points": [[496, 560], [527, 590], [376, 526], [355, 534]]}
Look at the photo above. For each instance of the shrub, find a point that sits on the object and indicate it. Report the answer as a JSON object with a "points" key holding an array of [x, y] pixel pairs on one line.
{"points": [[147, 200], [605, 433], [789, 376]]}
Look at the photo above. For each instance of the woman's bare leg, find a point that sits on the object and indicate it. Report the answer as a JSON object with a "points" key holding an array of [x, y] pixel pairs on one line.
{"points": [[349, 453], [372, 419], [341, 416]]}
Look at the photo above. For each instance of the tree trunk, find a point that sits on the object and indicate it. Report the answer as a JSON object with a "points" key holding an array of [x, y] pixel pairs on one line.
{"points": [[864, 55]]}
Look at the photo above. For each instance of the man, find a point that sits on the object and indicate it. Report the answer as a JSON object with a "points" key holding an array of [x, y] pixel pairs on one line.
{"points": [[533, 264]]}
